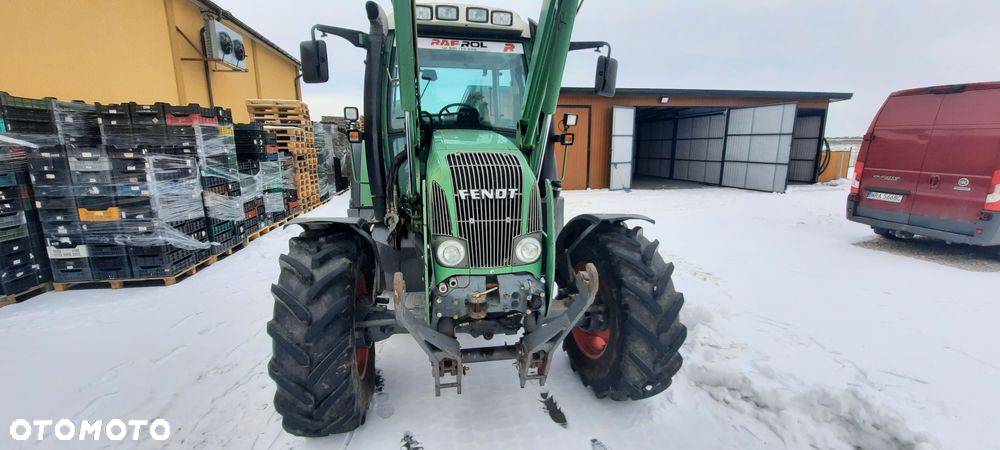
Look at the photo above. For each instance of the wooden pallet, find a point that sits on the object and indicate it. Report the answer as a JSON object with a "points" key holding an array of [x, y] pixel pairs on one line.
{"points": [[276, 104], [118, 284], [24, 295]]}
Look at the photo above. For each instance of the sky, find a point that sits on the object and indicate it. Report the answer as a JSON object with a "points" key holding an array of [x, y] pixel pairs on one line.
{"points": [[868, 48]]}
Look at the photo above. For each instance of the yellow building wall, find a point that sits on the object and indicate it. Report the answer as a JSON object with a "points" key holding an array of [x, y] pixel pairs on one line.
{"points": [[112, 51], [97, 51]]}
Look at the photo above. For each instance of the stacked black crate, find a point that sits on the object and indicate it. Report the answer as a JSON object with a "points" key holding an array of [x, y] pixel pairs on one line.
{"points": [[61, 194], [100, 216], [253, 145], [23, 263], [130, 132], [276, 177], [160, 193], [220, 179], [28, 122]]}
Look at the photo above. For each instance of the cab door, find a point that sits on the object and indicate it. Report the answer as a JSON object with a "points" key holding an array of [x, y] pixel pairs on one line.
{"points": [[894, 157]]}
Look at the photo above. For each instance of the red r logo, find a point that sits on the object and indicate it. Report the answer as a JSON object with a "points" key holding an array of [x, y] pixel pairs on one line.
{"points": [[507, 48]]}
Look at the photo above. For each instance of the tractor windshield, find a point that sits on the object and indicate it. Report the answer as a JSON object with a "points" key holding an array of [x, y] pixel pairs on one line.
{"points": [[470, 84]]}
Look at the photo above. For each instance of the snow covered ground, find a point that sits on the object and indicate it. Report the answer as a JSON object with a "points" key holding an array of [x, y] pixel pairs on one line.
{"points": [[805, 331]]}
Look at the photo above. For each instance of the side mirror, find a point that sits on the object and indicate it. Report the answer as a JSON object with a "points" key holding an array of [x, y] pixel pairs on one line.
{"points": [[429, 75], [315, 68], [351, 113], [607, 76]]}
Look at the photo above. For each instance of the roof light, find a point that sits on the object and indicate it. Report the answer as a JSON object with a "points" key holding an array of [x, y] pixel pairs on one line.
{"points": [[447, 13], [477, 15], [424, 13], [503, 18]]}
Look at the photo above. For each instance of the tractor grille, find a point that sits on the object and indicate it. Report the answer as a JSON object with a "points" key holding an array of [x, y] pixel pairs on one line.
{"points": [[488, 224], [440, 221], [535, 214]]}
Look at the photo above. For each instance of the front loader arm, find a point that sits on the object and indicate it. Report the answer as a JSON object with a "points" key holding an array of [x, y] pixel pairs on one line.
{"points": [[406, 59], [545, 73]]}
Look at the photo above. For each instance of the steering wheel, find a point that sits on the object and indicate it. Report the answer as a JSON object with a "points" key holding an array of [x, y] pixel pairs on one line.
{"points": [[447, 107]]}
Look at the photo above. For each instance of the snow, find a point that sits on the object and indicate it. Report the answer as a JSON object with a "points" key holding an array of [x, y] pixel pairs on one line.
{"points": [[805, 331]]}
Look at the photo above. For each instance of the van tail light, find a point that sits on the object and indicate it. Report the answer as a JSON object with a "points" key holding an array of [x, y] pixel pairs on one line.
{"points": [[993, 199], [859, 169]]}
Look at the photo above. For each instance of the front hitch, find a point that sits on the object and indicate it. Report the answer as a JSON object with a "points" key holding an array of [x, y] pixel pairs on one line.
{"points": [[533, 352]]}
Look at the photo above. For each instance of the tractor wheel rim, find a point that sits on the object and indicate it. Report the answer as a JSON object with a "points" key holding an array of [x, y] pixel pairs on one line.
{"points": [[362, 355], [593, 344]]}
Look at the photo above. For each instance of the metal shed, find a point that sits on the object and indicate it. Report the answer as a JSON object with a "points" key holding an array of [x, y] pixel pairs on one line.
{"points": [[760, 140]]}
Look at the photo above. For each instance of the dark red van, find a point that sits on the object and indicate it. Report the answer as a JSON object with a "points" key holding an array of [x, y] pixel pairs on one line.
{"points": [[930, 166]]}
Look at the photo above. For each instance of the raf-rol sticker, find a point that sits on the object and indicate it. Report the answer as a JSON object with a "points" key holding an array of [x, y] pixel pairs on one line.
{"points": [[470, 46]]}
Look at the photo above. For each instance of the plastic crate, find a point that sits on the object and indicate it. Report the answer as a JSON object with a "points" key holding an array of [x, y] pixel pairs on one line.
{"points": [[61, 228], [108, 250], [54, 202], [52, 178], [96, 202], [49, 162], [10, 193], [112, 214], [70, 270], [110, 267], [88, 193], [91, 178], [12, 206], [129, 165], [58, 214], [21, 279], [13, 220], [114, 151], [147, 114], [159, 261], [98, 164], [8, 178], [68, 252], [17, 259], [15, 245]]}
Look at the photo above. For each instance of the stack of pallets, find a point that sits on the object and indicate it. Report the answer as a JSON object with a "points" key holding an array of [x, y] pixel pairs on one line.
{"points": [[289, 121]]}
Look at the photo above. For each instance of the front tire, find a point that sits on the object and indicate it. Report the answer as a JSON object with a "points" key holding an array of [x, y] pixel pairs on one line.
{"points": [[325, 372], [640, 330]]}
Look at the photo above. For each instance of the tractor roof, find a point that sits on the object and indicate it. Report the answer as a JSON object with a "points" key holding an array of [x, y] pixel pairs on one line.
{"points": [[434, 17]]}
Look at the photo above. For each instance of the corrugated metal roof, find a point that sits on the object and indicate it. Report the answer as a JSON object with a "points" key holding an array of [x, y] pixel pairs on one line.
{"points": [[230, 17], [790, 95]]}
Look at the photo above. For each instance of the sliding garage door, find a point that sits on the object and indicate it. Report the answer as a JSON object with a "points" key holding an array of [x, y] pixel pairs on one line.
{"points": [[622, 138], [758, 147], [698, 154]]}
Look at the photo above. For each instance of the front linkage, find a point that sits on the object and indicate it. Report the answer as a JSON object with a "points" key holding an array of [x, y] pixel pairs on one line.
{"points": [[533, 353]]}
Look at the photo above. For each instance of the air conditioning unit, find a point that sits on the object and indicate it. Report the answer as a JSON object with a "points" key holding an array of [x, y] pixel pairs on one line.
{"points": [[225, 45]]}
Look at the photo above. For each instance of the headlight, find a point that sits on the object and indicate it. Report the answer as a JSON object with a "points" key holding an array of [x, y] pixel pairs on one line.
{"points": [[447, 13], [477, 15], [528, 250], [423, 13], [503, 18], [450, 253]]}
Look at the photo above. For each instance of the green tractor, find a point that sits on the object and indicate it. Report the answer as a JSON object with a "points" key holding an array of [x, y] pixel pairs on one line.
{"points": [[456, 225]]}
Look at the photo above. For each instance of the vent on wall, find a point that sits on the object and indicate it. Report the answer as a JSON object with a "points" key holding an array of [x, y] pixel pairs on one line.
{"points": [[225, 45]]}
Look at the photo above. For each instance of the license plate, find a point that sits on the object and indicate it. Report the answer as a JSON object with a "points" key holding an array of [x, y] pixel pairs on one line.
{"points": [[885, 197]]}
